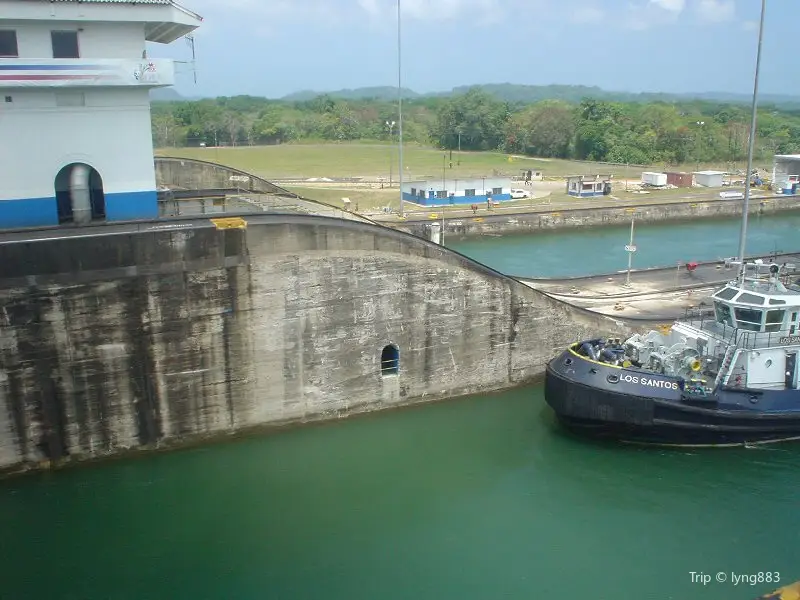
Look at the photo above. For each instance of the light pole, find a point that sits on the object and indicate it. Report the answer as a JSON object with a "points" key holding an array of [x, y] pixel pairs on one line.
{"points": [[390, 126], [700, 124], [400, 107], [459, 145]]}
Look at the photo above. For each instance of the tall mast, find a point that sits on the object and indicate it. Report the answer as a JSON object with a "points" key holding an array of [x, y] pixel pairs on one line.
{"points": [[746, 205], [400, 107]]}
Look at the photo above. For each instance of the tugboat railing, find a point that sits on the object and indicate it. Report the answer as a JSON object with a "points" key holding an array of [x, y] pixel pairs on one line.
{"points": [[740, 338]]}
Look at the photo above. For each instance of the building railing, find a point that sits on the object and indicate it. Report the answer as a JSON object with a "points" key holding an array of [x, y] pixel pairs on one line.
{"points": [[86, 72]]}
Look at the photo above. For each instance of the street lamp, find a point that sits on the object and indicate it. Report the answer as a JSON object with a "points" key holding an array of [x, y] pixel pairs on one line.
{"points": [[700, 124], [390, 127]]}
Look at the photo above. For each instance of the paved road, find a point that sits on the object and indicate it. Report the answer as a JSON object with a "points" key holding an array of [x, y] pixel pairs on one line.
{"points": [[653, 293]]}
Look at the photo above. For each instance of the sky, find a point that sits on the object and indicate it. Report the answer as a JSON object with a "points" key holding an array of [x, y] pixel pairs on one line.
{"points": [[275, 47]]}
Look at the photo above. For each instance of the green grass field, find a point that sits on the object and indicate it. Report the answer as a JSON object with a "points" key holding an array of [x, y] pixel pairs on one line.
{"points": [[373, 160]]}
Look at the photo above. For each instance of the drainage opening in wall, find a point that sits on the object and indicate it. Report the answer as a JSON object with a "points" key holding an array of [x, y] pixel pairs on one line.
{"points": [[80, 198], [390, 360]]}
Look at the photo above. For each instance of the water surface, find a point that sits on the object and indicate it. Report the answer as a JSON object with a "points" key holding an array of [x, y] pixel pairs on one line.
{"points": [[478, 498]]}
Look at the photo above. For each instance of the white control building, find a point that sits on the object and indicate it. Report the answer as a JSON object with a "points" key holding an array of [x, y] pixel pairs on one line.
{"points": [[75, 108]]}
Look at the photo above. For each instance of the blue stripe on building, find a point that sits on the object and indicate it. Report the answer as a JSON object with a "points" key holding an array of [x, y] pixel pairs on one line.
{"points": [[130, 206], [43, 212], [30, 212], [428, 201]]}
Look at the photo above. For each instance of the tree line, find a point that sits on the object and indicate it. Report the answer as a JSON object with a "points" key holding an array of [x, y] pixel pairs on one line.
{"points": [[592, 129]]}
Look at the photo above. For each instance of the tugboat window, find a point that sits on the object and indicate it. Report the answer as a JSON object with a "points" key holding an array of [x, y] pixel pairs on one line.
{"points": [[750, 299], [774, 320], [390, 360], [723, 313], [748, 318], [727, 293]]}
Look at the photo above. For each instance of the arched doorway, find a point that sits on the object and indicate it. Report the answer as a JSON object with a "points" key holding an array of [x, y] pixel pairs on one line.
{"points": [[390, 360], [79, 194]]}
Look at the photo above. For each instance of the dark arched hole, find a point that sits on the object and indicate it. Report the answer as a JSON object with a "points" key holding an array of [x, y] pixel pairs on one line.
{"points": [[390, 360]]}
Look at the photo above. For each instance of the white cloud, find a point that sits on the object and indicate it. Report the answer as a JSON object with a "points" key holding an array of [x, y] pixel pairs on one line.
{"points": [[675, 6], [644, 15], [586, 14], [750, 25], [716, 11]]}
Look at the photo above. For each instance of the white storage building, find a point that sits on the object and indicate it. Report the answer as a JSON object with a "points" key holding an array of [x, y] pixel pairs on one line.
{"points": [[655, 179], [709, 178]]}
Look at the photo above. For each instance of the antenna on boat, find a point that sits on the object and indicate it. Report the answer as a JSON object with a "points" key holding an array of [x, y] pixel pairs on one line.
{"points": [[751, 145]]}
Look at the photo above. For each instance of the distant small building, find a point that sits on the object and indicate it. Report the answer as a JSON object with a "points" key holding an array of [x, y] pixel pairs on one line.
{"points": [[457, 191], [589, 185], [528, 175], [785, 172], [681, 180], [654, 179], [709, 178]]}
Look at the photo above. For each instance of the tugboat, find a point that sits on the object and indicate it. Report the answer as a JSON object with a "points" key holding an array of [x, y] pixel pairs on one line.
{"points": [[726, 379], [729, 379]]}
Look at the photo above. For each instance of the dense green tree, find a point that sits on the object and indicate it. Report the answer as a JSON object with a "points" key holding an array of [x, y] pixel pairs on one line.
{"points": [[597, 128]]}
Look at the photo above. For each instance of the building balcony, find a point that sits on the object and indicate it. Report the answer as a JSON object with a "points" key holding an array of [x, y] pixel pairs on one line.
{"points": [[85, 72]]}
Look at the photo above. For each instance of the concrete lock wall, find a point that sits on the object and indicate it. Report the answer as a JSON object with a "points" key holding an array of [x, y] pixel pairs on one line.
{"points": [[591, 217], [176, 332]]}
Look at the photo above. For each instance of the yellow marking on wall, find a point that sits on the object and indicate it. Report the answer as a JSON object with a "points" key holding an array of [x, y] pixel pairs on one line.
{"points": [[230, 223], [434, 216], [630, 210], [555, 214], [477, 220], [693, 206]]}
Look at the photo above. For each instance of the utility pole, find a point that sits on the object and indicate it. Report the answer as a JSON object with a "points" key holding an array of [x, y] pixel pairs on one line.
{"points": [[400, 107]]}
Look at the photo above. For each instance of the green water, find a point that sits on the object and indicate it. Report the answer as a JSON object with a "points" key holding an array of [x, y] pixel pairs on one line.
{"points": [[588, 251], [479, 498]]}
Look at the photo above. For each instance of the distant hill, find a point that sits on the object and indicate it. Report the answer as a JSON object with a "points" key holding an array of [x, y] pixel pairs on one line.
{"points": [[366, 93], [166, 95], [526, 94]]}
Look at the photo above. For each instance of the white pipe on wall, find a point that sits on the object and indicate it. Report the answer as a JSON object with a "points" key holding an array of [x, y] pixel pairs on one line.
{"points": [[80, 194]]}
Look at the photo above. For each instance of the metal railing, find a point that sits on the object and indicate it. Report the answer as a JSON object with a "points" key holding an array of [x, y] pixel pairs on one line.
{"points": [[741, 338]]}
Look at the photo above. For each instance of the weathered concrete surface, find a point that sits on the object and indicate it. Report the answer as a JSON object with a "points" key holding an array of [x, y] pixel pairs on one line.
{"points": [[253, 194], [544, 218], [653, 294], [132, 336]]}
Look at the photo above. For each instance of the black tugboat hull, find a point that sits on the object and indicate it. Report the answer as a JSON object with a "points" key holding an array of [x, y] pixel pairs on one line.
{"points": [[602, 401]]}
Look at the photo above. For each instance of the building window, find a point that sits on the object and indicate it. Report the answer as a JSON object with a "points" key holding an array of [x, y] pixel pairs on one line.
{"points": [[65, 44], [470, 192], [390, 360], [9, 99], [413, 191], [8, 44], [441, 194], [497, 191]]}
